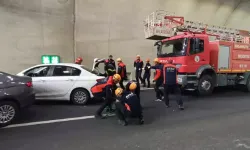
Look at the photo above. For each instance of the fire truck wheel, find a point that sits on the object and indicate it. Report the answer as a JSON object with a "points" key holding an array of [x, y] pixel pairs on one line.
{"points": [[205, 85]]}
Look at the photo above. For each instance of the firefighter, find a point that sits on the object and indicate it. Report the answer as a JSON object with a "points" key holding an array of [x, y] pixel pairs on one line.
{"points": [[158, 79], [137, 90], [78, 61], [170, 84], [138, 65], [105, 89], [110, 70], [122, 71], [128, 105], [109, 61], [147, 73]]}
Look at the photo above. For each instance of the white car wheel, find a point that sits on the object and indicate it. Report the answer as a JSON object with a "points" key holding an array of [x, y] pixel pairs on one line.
{"points": [[80, 96]]}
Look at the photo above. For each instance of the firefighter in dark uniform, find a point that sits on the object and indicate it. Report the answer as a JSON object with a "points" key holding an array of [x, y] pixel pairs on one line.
{"points": [[170, 84], [137, 90], [105, 89], [110, 70], [78, 61], [158, 79], [128, 105], [147, 73], [122, 71], [138, 65], [109, 61]]}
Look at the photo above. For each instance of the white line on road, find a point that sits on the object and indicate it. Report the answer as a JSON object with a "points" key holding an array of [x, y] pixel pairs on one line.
{"points": [[49, 121]]}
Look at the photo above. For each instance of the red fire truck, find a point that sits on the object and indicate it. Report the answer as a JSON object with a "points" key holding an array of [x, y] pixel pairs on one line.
{"points": [[206, 56]]}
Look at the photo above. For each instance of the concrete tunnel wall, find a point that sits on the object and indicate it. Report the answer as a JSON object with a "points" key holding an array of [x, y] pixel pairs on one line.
{"points": [[31, 28], [101, 27]]}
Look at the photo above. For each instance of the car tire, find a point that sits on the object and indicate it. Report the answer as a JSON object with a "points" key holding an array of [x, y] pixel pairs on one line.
{"points": [[80, 97], [205, 86], [9, 111]]}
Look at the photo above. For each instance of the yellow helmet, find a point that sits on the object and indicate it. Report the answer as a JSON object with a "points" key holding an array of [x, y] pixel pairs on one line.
{"points": [[118, 92], [116, 78], [156, 60], [118, 59], [132, 86]]}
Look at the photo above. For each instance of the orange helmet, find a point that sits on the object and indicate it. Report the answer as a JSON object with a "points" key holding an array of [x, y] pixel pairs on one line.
{"points": [[118, 92], [156, 60], [116, 78], [132, 86]]}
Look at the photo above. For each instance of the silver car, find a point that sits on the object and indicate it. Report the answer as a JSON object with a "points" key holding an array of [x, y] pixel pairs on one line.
{"points": [[16, 93]]}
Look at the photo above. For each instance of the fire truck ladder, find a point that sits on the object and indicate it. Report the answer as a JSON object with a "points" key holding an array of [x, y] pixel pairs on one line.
{"points": [[162, 24]]}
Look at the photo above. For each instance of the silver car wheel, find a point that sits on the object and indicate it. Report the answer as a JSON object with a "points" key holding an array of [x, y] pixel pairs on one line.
{"points": [[7, 113], [80, 97]]}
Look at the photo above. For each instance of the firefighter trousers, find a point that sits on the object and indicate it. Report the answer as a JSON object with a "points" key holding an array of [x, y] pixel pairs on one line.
{"points": [[122, 113], [107, 103], [177, 91], [158, 92], [138, 76], [146, 76]]}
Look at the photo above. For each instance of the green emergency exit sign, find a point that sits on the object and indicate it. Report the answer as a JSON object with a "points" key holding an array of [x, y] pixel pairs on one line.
{"points": [[50, 59]]}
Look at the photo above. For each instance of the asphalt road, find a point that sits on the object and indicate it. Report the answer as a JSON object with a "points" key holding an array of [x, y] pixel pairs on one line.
{"points": [[209, 123]]}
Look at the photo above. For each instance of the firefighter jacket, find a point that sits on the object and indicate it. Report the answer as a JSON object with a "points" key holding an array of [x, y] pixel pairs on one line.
{"points": [[158, 72], [131, 103], [138, 64], [147, 68], [122, 71], [104, 88], [169, 74], [109, 62], [109, 70]]}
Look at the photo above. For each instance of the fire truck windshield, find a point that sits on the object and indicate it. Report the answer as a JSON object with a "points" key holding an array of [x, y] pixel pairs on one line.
{"points": [[173, 48]]}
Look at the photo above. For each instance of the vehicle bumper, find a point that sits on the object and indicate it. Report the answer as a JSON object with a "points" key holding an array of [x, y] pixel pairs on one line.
{"points": [[187, 81], [28, 100]]}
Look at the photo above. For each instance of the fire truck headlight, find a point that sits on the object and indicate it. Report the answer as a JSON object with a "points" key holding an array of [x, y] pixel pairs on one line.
{"points": [[179, 80]]}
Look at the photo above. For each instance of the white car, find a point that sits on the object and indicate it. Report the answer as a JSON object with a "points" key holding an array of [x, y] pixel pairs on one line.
{"points": [[62, 81]]}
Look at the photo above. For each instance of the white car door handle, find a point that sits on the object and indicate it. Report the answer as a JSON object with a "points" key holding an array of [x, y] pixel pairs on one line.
{"points": [[69, 80]]}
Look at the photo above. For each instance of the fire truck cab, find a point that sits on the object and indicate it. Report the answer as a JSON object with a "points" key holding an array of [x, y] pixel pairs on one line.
{"points": [[206, 56]]}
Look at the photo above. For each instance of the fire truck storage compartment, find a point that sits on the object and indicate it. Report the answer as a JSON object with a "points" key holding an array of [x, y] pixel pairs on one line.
{"points": [[224, 57]]}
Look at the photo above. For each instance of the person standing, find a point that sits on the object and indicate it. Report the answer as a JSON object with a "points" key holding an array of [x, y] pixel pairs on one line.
{"points": [[122, 72], [147, 73], [170, 84], [109, 61], [158, 79], [138, 65]]}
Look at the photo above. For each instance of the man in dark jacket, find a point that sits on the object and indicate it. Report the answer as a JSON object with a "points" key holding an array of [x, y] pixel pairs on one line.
{"points": [[104, 89], [122, 71], [109, 61], [147, 73], [158, 79], [138, 65], [128, 105]]}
